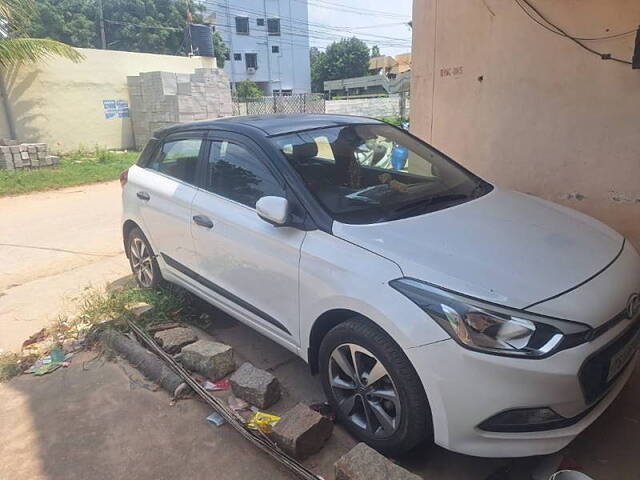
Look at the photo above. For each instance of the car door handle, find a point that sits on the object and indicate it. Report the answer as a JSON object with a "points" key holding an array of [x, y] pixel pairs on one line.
{"points": [[143, 196], [203, 221]]}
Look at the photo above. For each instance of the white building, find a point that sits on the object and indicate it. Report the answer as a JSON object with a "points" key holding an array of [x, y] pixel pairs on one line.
{"points": [[268, 42]]}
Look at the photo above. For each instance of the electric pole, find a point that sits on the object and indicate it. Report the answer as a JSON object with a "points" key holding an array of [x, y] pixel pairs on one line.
{"points": [[103, 37]]}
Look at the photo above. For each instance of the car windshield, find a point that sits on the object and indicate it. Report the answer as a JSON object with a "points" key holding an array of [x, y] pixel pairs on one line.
{"points": [[375, 173]]}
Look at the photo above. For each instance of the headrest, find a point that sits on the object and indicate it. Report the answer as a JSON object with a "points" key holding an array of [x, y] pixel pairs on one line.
{"points": [[304, 151]]}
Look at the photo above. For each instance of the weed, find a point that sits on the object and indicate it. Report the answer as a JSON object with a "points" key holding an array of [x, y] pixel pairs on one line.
{"points": [[10, 366]]}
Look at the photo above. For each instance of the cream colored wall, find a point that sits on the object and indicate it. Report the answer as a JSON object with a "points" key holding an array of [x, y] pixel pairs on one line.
{"points": [[546, 117], [60, 102]]}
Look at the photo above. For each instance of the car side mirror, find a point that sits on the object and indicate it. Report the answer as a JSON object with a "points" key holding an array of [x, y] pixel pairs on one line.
{"points": [[274, 210]]}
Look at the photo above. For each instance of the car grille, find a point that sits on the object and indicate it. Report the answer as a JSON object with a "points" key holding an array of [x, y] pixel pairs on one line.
{"points": [[595, 370]]}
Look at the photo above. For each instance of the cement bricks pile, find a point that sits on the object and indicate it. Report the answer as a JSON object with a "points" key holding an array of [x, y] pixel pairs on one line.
{"points": [[161, 99], [14, 156]]}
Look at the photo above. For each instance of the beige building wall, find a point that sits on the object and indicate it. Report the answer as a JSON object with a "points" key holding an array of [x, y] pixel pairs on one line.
{"points": [[530, 110], [60, 103]]}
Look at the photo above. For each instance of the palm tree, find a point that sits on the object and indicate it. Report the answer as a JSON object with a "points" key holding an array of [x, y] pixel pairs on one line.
{"points": [[15, 49]]}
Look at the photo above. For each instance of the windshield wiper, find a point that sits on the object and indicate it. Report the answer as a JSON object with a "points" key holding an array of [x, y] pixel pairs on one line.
{"points": [[408, 208]]}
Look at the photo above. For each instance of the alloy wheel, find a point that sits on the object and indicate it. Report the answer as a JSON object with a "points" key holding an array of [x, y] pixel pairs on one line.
{"points": [[364, 390], [141, 262]]}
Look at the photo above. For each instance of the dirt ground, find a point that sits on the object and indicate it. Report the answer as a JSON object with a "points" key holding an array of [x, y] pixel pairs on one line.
{"points": [[99, 420], [52, 246]]}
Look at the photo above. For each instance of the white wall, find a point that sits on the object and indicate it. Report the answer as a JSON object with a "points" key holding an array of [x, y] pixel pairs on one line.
{"points": [[287, 70], [367, 107]]}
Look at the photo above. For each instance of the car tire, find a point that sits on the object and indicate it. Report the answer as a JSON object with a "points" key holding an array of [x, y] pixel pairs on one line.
{"points": [[142, 260], [408, 419]]}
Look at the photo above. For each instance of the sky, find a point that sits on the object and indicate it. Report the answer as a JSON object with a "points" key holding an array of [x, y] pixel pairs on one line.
{"points": [[381, 22]]}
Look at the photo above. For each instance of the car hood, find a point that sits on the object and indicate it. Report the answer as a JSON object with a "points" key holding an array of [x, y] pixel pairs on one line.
{"points": [[505, 247]]}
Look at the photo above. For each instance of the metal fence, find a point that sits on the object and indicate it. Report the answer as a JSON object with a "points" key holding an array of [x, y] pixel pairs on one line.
{"points": [[303, 103]]}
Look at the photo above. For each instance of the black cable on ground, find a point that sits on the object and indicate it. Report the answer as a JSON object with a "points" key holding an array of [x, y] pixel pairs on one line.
{"points": [[233, 418]]}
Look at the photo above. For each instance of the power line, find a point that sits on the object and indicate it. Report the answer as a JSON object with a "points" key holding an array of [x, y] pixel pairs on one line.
{"points": [[239, 11], [346, 8], [559, 31]]}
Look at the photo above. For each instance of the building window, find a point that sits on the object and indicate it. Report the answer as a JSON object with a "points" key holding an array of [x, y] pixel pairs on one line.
{"points": [[237, 57], [260, 22], [273, 26], [275, 49], [242, 25], [251, 60]]}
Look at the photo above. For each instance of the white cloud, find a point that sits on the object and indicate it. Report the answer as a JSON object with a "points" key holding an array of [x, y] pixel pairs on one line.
{"points": [[329, 20]]}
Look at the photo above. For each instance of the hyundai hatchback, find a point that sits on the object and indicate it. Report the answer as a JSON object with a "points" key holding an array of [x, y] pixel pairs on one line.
{"points": [[431, 303]]}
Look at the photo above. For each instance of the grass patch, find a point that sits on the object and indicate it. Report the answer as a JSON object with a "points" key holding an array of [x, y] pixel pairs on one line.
{"points": [[76, 168], [10, 366]]}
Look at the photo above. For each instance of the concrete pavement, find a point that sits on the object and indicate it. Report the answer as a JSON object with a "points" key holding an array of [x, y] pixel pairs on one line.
{"points": [[53, 245]]}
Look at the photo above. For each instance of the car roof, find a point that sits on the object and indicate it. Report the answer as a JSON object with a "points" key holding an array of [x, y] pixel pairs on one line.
{"points": [[277, 124]]}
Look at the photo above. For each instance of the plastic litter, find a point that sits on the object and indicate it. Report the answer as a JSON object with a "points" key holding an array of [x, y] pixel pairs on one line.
{"points": [[237, 404], [217, 386], [263, 421], [216, 419]]}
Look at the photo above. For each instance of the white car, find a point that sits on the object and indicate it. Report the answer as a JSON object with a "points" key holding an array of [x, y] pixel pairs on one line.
{"points": [[432, 304]]}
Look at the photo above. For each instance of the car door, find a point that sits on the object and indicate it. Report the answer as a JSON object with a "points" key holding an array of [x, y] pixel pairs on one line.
{"points": [[248, 264], [166, 190]]}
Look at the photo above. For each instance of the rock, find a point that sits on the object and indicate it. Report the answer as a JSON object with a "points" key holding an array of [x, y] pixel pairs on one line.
{"points": [[364, 463], [139, 308], [258, 387], [212, 359], [302, 432], [174, 339]]}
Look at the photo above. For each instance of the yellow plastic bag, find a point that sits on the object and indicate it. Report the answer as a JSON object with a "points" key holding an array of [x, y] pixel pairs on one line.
{"points": [[263, 421]]}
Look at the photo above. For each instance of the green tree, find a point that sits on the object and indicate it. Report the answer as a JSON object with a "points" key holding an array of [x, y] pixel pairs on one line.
{"points": [[152, 26], [16, 47], [346, 58], [220, 49], [247, 90], [375, 51]]}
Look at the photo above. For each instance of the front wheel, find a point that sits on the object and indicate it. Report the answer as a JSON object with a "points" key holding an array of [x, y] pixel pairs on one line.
{"points": [[144, 265], [373, 388]]}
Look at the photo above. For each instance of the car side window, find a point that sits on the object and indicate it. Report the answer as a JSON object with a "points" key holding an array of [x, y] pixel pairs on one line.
{"points": [[178, 159], [237, 174]]}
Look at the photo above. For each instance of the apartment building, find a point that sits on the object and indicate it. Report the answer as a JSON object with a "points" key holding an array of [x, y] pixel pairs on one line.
{"points": [[268, 42]]}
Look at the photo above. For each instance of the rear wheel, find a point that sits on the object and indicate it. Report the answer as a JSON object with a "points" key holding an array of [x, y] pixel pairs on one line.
{"points": [[142, 260], [373, 387]]}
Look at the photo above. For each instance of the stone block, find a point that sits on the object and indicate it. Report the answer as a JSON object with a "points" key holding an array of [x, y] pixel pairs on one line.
{"points": [[55, 160], [256, 386], [302, 432], [212, 359], [364, 463], [8, 142], [174, 339]]}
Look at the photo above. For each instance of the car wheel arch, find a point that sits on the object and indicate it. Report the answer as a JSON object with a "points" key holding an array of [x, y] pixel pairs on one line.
{"points": [[323, 324], [127, 226]]}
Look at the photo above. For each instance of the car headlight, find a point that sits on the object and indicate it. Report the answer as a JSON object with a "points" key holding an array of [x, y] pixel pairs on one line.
{"points": [[489, 328]]}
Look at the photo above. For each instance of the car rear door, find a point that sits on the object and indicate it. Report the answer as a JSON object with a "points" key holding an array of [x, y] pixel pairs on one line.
{"points": [[247, 264], [165, 189]]}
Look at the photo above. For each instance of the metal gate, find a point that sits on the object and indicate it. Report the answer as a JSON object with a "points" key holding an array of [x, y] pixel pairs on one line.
{"points": [[303, 103]]}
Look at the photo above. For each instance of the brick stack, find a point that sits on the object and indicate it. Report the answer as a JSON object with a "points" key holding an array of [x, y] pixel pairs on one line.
{"points": [[14, 156], [161, 99]]}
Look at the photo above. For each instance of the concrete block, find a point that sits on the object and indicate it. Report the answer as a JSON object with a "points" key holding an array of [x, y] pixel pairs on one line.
{"points": [[301, 431], [212, 359], [184, 88], [364, 463], [174, 339], [256, 386], [8, 142], [55, 160], [17, 160]]}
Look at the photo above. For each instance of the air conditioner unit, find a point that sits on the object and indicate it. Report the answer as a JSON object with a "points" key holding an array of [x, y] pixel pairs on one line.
{"points": [[251, 70]]}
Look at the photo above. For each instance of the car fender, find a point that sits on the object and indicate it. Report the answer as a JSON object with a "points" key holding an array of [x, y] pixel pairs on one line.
{"points": [[337, 275]]}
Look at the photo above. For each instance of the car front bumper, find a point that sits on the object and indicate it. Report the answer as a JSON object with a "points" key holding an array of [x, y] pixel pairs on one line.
{"points": [[465, 388]]}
